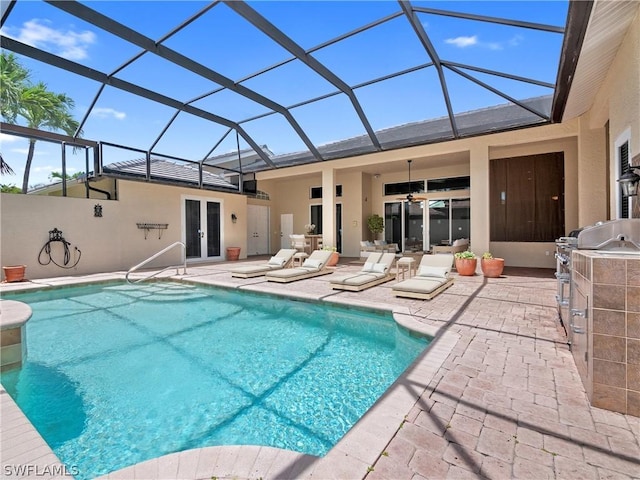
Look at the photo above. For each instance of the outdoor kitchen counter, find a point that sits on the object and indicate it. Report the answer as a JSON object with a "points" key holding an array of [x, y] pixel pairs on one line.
{"points": [[605, 319]]}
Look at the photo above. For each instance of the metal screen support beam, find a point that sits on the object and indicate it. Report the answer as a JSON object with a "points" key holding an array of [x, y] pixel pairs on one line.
{"points": [[428, 46], [109, 25], [63, 146], [266, 27], [78, 69]]}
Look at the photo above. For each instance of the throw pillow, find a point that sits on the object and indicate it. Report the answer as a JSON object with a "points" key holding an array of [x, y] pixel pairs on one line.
{"points": [[277, 261], [437, 272], [368, 267], [379, 268], [310, 263]]}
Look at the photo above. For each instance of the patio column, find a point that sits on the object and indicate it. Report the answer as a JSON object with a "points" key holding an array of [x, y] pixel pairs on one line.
{"points": [[328, 206], [479, 172]]}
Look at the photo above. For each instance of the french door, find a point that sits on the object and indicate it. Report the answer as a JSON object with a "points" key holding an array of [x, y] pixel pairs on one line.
{"points": [[449, 220], [202, 229], [446, 220], [404, 225]]}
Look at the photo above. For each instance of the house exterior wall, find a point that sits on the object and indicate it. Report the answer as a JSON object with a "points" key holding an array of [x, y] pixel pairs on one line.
{"points": [[112, 242], [618, 102], [462, 157], [591, 192]]}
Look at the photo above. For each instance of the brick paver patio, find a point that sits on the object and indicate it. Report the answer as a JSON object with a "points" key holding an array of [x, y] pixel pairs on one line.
{"points": [[506, 401]]}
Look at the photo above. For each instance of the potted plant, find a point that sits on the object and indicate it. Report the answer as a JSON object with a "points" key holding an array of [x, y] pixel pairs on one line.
{"points": [[491, 267], [233, 253], [335, 256], [466, 263], [376, 224], [14, 273]]}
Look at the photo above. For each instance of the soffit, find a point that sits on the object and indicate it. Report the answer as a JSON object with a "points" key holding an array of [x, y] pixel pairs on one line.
{"points": [[606, 30]]}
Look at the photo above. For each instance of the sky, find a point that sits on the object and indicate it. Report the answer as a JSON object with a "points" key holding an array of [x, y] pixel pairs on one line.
{"points": [[223, 41]]}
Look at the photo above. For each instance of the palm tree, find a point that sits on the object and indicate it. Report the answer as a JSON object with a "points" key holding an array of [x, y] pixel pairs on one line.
{"points": [[13, 79], [5, 169], [41, 108], [44, 109]]}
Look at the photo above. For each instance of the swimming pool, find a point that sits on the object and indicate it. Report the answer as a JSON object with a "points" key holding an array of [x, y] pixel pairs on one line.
{"points": [[117, 374]]}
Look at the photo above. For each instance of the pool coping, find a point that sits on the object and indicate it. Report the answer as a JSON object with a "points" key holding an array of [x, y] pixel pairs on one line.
{"points": [[351, 457]]}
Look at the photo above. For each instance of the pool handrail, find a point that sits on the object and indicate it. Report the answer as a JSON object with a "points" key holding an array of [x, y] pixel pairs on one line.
{"points": [[153, 257]]}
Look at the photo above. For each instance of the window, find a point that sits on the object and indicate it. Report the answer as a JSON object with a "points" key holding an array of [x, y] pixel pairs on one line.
{"points": [[448, 184], [527, 198], [403, 188], [316, 192], [623, 159], [316, 218]]}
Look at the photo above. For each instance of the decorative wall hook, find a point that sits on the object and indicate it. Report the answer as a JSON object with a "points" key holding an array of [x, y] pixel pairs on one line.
{"points": [[97, 210]]}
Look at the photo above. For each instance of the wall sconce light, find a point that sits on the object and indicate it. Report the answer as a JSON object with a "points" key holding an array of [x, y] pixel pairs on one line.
{"points": [[234, 218], [97, 210], [629, 182]]}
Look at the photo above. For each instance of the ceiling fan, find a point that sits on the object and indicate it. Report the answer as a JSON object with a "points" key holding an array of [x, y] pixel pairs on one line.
{"points": [[410, 197]]}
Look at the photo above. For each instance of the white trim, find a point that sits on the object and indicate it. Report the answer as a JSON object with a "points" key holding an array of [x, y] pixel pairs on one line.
{"points": [[624, 137]]}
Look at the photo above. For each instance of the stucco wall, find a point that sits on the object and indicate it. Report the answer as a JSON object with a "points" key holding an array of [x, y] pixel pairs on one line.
{"points": [[618, 102], [109, 243]]}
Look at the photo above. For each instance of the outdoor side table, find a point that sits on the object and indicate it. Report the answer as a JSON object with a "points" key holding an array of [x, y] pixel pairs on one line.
{"points": [[298, 259], [405, 265]]}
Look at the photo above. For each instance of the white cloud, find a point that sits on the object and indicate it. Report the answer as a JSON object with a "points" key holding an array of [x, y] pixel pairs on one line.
{"points": [[462, 42], [108, 112], [44, 169], [515, 40], [4, 138], [66, 43], [474, 41]]}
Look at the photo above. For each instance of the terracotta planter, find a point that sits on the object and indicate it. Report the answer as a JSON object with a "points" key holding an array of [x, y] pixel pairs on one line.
{"points": [[333, 259], [466, 266], [233, 253], [14, 273], [492, 267]]}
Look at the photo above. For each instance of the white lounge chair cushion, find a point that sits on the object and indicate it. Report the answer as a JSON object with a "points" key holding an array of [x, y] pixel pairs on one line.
{"points": [[379, 267], [279, 261], [311, 263], [368, 267], [437, 272]]}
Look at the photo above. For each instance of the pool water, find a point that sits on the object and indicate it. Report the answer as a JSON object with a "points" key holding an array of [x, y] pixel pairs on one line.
{"points": [[118, 374]]}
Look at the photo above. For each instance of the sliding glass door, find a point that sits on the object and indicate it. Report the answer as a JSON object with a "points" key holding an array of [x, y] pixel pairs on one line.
{"points": [[449, 219], [404, 224]]}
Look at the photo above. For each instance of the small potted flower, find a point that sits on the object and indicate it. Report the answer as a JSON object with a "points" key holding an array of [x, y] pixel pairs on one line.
{"points": [[466, 263], [310, 228], [491, 267]]}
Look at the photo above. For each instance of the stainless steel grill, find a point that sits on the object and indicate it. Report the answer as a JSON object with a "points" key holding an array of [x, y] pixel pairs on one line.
{"points": [[615, 237]]}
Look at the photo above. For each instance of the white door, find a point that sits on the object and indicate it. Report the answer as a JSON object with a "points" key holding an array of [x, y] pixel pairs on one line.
{"points": [[257, 230], [286, 229]]}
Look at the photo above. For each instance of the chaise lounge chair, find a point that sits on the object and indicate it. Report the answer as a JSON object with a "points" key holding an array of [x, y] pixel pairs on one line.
{"points": [[280, 260], [313, 266], [431, 279], [375, 271]]}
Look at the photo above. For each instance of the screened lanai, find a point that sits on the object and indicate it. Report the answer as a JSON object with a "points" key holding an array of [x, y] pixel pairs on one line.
{"points": [[240, 87]]}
